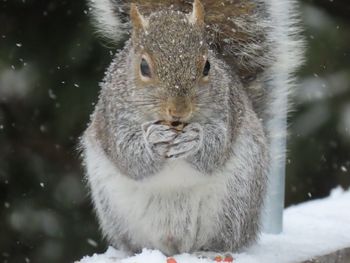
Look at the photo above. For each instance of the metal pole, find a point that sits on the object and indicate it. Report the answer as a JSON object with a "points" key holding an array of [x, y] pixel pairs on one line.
{"points": [[272, 217]]}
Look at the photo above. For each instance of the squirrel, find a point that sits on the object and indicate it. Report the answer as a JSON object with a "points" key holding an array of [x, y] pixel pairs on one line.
{"points": [[179, 145]]}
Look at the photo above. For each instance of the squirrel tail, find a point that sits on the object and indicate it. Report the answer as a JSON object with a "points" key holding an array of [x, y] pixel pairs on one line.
{"points": [[108, 17]]}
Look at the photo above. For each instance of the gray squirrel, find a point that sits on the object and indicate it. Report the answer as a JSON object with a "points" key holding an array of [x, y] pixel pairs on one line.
{"points": [[181, 140]]}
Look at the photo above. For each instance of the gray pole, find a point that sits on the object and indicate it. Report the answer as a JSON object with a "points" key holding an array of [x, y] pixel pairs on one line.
{"points": [[272, 217]]}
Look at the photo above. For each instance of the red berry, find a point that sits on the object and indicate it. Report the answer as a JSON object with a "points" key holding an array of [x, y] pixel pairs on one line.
{"points": [[218, 258], [171, 260], [228, 259]]}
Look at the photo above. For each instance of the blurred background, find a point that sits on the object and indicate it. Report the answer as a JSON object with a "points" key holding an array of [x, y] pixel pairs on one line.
{"points": [[50, 66]]}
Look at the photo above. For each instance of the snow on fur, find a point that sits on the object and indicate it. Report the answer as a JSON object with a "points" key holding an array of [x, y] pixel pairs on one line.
{"points": [[311, 229], [108, 22]]}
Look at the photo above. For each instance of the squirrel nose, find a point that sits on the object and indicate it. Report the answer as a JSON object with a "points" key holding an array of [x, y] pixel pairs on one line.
{"points": [[175, 115], [178, 108], [178, 113]]}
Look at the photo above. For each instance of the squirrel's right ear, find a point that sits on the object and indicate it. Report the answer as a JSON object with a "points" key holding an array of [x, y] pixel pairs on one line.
{"points": [[197, 15], [139, 23]]}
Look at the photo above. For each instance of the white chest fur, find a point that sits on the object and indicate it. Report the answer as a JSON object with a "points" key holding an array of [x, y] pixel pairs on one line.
{"points": [[171, 205]]}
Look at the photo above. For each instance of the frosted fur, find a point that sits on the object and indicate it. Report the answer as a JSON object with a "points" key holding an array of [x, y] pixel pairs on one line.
{"points": [[202, 189], [179, 201], [108, 22], [237, 31]]}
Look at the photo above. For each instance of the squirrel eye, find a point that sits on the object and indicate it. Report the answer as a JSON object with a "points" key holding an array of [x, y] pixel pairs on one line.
{"points": [[145, 69], [206, 68]]}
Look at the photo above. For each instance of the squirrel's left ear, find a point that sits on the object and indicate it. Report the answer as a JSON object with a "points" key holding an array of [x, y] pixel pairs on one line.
{"points": [[197, 15], [138, 21]]}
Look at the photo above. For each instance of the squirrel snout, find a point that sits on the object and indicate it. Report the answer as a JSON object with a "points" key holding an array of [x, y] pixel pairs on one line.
{"points": [[178, 109], [176, 115]]}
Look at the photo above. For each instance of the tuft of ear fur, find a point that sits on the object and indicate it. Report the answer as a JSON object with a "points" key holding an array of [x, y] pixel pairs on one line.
{"points": [[138, 21], [107, 20], [197, 15]]}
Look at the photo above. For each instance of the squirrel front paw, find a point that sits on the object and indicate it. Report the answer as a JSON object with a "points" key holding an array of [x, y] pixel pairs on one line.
{"points": [[187, 142], [158, 137]]}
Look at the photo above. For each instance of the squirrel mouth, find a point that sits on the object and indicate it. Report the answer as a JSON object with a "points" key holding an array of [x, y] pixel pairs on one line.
{"points": [[176, 125]]}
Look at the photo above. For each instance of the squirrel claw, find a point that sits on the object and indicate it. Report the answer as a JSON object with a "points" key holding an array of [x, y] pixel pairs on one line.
{"points": [[158, 137]]}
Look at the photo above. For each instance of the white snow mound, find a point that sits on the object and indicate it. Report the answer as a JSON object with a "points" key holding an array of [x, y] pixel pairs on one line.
{"points": [[311, 229]]}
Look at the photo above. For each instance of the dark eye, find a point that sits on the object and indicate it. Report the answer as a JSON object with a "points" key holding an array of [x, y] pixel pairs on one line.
{"points": [[206, 69], [145, 69]]}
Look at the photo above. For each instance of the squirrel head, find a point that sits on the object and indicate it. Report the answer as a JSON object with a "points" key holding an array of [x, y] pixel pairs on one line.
{"points": [[170, 59]]}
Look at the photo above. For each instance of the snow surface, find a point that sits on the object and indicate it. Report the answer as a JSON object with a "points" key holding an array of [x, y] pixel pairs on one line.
{"points": [[314, 228]]}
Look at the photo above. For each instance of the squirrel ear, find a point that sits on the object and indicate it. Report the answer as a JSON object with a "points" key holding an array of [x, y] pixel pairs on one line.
{"points": [[138, 21], [197, 16]]}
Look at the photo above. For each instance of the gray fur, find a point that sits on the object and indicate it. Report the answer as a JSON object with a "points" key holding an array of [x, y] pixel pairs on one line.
{"points": [[215, 200]]}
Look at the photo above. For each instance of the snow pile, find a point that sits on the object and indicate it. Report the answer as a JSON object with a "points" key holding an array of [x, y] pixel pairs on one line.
{"points": [[311, 229]]}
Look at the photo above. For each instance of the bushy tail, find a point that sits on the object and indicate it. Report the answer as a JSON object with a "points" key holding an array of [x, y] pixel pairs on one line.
{"points": [[109, 18]]}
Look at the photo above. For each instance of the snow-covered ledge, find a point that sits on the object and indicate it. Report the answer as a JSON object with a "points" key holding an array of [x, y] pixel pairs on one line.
{"points": [[315, 231]]}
